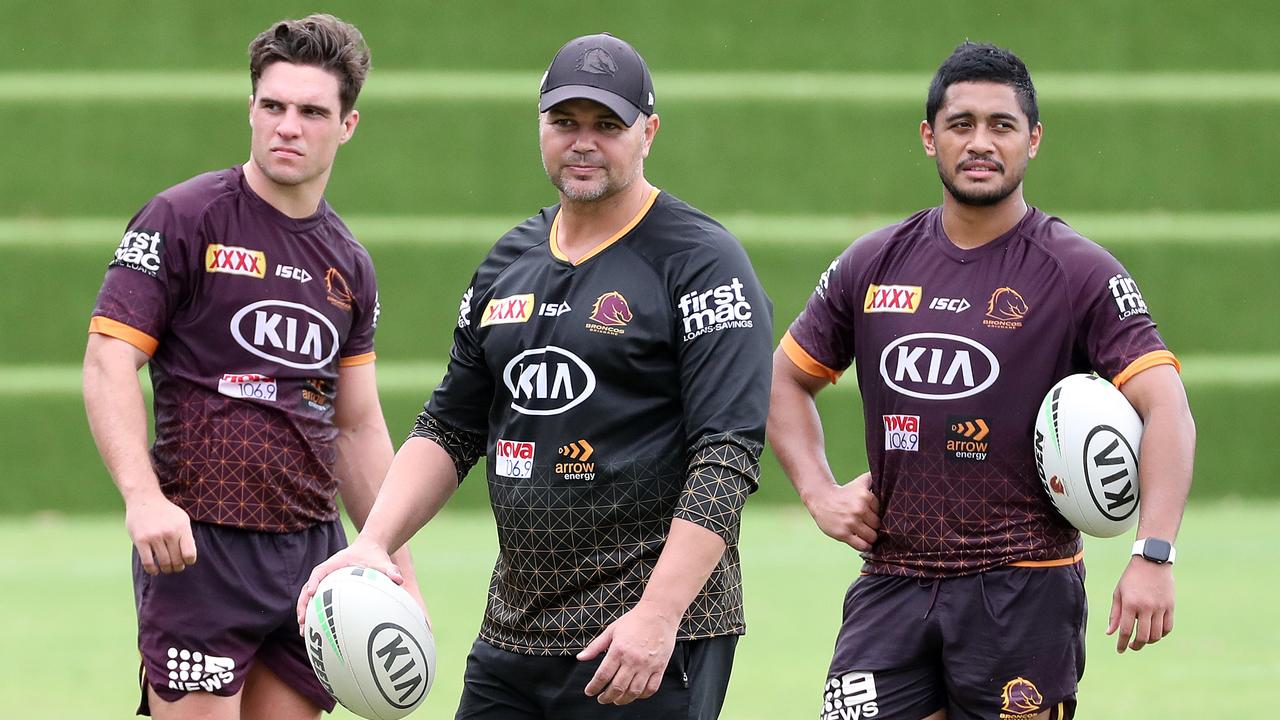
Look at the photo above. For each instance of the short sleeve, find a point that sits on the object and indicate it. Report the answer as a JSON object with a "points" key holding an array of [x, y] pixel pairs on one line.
{"points": [[358, 349], [147, 277], [821, 339], [725, 329], [463, 398], [1118, 336]]}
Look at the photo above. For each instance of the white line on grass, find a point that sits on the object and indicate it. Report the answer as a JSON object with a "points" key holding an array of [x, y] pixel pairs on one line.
{"points": [[836, 230], [520, 86], [1198, 371]]}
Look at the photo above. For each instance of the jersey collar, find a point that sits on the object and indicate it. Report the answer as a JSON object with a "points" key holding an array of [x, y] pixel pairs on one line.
{"points": [[554, 243]]}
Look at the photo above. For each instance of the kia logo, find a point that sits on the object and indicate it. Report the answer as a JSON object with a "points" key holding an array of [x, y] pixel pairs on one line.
{"points": [[547, 381], [1111, 472], [938, 366], [288, 333], [398, 665]]}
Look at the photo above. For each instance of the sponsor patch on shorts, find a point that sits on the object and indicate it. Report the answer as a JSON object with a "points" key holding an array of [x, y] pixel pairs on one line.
{"points": [[851, 696]]}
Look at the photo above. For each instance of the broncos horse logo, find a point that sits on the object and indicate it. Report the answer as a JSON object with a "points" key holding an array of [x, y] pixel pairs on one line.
{"points": [[1021, 697], [611, 309], [1006, 304]]}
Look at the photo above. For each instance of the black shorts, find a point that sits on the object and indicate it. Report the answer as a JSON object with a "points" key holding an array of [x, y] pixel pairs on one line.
{"points": [[1007, 643], [201, 630], [502, 685]]}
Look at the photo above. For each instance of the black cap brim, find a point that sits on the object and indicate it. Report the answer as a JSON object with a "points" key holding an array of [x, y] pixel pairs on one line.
{"points": [[620, 106]]}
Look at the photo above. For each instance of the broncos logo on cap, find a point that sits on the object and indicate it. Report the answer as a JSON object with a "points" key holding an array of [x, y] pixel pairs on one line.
{"points": [[611, 309], [596, 61], [1021, 697]]}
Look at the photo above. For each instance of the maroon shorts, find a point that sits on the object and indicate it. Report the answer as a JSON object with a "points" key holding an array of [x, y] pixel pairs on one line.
{"points": [[201, 630], [1007, 643]]}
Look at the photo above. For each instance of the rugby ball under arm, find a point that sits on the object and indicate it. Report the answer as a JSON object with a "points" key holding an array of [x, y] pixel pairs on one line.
{"points": [[1087, 437], [369, 644]]}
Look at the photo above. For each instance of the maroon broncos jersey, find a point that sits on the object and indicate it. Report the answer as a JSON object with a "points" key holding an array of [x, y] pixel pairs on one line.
{"points": [[247, 315], [954, 351]]}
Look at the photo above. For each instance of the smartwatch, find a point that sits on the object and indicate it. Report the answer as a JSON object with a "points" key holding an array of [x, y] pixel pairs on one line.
{"points": [[1158, 551]]}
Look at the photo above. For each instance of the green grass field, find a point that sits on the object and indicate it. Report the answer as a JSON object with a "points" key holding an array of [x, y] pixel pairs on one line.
{"points": [[68, 625]]}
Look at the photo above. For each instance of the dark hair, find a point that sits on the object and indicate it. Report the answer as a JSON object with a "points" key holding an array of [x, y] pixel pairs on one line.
{"points": [[981, 62], [320, 40]]}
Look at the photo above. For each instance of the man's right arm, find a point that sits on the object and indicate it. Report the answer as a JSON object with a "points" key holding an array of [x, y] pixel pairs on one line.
{"points": [[422, 478], [848, 513], [160, 530]]}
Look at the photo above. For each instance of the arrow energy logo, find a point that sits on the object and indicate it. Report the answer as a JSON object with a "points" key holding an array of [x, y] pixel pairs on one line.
{"points": [[967, 438], [578, 467]]}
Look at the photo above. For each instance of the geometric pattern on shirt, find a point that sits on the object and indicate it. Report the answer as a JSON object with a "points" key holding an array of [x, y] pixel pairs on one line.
{"points": [[723, 469], [574, 556], [939, 519], [234, 462], [463, 447]]}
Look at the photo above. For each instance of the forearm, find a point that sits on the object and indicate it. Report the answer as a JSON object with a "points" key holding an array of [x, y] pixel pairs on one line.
{"points": [[117, 417], [690, 555], [1164, 472], [795, 434], [420, 481]]}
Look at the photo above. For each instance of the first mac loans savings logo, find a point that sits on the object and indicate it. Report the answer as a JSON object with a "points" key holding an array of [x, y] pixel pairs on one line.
{"points": [[1128, 299], [720, 308], [140, 250]]}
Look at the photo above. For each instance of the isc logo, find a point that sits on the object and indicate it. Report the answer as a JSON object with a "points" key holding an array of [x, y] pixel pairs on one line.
{"points": [[514, 309], [892, 299], [938, 366], [293, 273], [289, 333], [547, 381]]}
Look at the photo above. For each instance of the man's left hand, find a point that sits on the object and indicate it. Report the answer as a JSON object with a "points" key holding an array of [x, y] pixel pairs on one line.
{"points": [[1143, 598], [639, 645]]}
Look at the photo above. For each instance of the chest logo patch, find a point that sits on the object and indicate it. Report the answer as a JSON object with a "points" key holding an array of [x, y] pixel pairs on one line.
{"points": [[514, 309], [892, 298], [1006, 309], [547, 381], [938, 366], [288, 333], [610, 314], [235, 261]]}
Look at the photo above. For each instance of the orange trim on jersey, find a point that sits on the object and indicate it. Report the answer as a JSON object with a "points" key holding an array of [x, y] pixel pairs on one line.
{"points": [[363, 359], [116, 329], [635, 220], [805, 361], [1150, 360], [1060, 562]]}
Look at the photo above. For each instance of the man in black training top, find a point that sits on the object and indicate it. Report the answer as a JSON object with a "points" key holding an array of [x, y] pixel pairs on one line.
{"points": [[612, 360]]}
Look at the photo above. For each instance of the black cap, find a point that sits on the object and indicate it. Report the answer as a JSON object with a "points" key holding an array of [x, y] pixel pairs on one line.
{"points": [[600, 68]]}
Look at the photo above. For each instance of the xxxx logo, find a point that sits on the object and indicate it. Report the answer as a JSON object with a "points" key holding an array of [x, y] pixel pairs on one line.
{"points": [[235, 261], [514, 309], [892, 298]]}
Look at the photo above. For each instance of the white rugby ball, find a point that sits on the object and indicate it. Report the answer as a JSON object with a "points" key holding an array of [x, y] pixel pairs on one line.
{"points": [[369, 644], [1086, 447]]}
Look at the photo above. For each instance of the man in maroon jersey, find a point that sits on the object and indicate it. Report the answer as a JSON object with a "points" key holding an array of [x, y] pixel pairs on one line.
{"points": [[960, 318], [254, 308]]}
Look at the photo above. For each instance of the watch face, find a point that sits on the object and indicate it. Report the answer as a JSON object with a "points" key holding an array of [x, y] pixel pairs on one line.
{"points": [[1156, 550]]}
